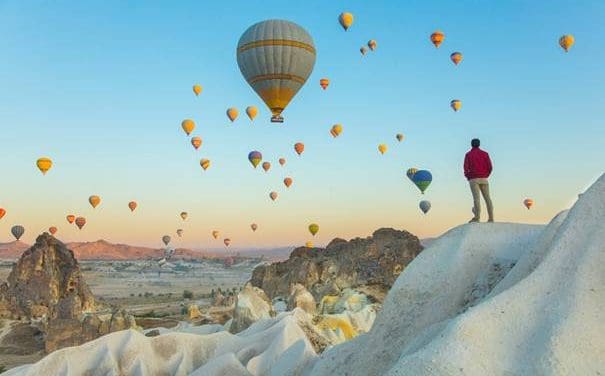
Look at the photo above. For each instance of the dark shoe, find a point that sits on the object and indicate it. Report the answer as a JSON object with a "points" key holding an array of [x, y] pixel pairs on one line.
{"points": [[474, 220], [490, 220]]}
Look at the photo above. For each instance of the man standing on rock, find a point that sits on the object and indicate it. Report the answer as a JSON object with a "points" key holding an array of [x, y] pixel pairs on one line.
{"points": [[477, 168]]}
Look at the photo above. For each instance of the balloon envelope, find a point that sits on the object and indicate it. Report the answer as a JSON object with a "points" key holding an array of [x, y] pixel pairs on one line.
{"points": [[346, 20], [196, 142], [184, 215], [324, 82], [52, 230], [276, 57], [254, 226], [456, 104], [255, 157], [528, 202], [273, 195], [456, 57], [251, 111], [44, 164], [166, 239], [382, 148], [282, 161], [197, 89], [437, 38], [299, 147], [215, 234], [232, 113], [266, 166], [132, 205], [313, 228], [71, 218], [94, 201], [18, 231], [2, 213], [399, 137], [566, 41], [422, 179], [372, 44], [227, 241], [411, 172], [179, 232], [205, 163], [288, 182], [80, 222], [425, 206], [188, 126]]}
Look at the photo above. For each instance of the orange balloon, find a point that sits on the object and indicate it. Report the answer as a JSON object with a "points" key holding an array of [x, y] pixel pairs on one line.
{"points": [[94, 201], [52, 230], [205, 163], [80, 222], [71, 218], [196, 142], [254, 226], [2, 213], [232, 114], [132, 205], [437, 38], [215, 234], [456, 58], [299, 147], [324, 82], [266, 166], [188, 126], [282, 161], [288, 182], [251, 111]]}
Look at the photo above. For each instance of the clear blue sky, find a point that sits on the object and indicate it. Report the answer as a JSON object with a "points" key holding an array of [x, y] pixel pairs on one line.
{"points": [[102, 86]]}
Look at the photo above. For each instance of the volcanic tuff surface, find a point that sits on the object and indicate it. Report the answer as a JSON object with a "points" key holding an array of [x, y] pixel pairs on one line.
{"points": [[371, 265]]}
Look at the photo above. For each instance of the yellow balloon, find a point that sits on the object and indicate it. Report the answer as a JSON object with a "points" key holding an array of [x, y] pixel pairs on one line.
{"points": [[313, 228], [205, 163], [44, 164], [251, 111], [336, 130], [188, 126], [232, 113], [346, 20], [197, 89], [456, 104], [382, 148], [566, 41], [309, 244]]}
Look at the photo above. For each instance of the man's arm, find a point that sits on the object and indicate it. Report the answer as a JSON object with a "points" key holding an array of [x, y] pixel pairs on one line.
{"points": [[466, 166], [489, 164]]}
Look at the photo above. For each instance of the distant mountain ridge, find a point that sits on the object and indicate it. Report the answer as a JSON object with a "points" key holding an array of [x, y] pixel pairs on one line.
{"points": [[104, 250]]}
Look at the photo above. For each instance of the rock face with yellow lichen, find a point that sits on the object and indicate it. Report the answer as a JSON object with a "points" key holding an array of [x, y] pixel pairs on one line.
{"points": [[370, 265]]}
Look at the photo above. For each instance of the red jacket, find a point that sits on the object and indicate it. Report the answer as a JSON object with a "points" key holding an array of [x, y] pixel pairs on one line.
{"points": [[477, 164]]}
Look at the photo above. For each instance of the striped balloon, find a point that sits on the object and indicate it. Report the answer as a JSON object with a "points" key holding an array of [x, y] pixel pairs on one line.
{"points": [[276, 57], [18, 231]]}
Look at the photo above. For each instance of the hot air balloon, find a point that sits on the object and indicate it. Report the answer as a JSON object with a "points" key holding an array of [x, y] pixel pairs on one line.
{"points": [[399, 137], [313, 228], [94, 201], [166, 239], [52, 230], [276, 57], [2, 213], [197, 89], [232, 113], [227, 241], [282, 161], [456, 104], [71, 218], [336, 130], [196, 142], [132, 205], [456, 58], [372, 44], [188, 126], [184, 215], [437, 38], [382, 148], [215, 234], [363, 50], [254, 226], [205, 163], [422, 179], [411, 172], [425, 206], [251, 111], [288, 182], [266, 166], [324, 82], [299, 147], [80, 222], [179, 232], [528, 202], [44, 164], [18, 231], [346, 20], [255, 157], [309, 244], [273, 196], [566, 41]]}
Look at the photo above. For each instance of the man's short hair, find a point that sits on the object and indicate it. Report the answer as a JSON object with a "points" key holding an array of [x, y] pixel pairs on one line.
{"points": [[475, 142]]}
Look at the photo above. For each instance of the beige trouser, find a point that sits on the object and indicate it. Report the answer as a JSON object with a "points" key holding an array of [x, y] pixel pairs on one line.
{"points": [[481, 185]]}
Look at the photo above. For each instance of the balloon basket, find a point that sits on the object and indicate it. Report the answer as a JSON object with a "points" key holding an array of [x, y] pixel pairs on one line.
{"points": [[277, 119]]}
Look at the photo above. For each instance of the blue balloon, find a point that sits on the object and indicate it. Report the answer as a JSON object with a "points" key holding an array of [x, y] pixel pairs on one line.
{"points": [[422, 179]]}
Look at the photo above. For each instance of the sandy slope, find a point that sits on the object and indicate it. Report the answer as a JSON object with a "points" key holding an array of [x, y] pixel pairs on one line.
{"points": [[483, 299]]}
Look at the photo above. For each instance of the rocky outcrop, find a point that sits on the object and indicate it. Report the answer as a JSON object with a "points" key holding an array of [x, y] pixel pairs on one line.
{"points": [[252, 304], [46, 289], [370, 264], [301, 297], [46, 283]]}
